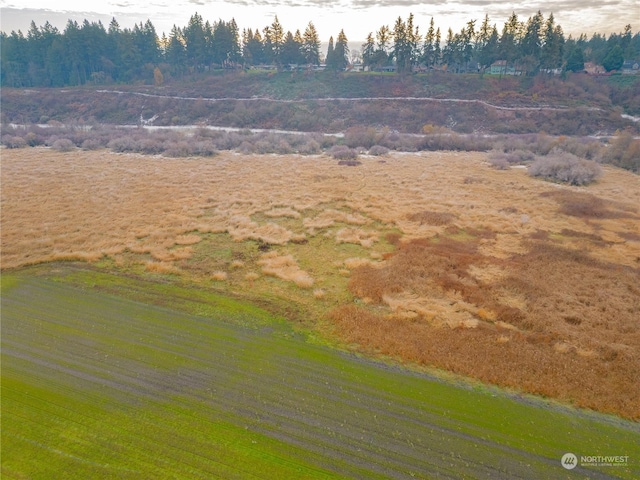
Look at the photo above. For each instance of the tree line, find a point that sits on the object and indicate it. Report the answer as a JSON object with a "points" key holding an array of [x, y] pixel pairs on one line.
{"points": [[90, 53]]}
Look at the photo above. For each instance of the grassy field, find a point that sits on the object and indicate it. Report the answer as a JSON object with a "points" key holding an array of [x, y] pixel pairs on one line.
{"points": [[433, 259], [114, 376]]}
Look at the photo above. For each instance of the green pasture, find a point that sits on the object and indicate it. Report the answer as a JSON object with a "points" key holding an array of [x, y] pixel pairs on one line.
{"points": [[107, 376]]}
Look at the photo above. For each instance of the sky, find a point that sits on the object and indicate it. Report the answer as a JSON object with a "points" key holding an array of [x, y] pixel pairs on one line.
{"points": [[356, 17]]}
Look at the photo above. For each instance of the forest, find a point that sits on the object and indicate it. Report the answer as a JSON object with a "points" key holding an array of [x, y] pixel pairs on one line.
{"points": [[89, 53]]}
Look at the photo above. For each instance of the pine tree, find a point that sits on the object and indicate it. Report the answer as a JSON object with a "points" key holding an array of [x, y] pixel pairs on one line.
{"points": [[290, 50], [509, 41], [428, 48], [381, 54], [276, 39], [368, 51], [575, 60], [330, 58], [311, 45], [195, 42], [400, 50], [437, 51], [614, 59], [551, 53], [341, 51], [176, 55]]}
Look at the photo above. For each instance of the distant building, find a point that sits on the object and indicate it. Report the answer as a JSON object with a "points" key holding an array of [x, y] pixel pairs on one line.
{"points": [[630, 68], [500, 67], [593, 68]]}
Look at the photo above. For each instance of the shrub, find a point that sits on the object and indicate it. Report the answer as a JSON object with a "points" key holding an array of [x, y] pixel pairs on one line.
{"points": [[245, 147], [282, 147], [378, 150], [624, 152], [229, 141], [361, 136], [91, 144], [566, 168], [63, 145], [498, 160], [179, 149], [123, 144], [342, 152], [309, 147], [33, 139], [205, 148], [150, 146], [263, 147], [12, 141]]}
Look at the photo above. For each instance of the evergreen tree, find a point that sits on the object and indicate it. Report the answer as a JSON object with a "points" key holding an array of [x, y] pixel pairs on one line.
{"points": [[405, 44], [176, 54], [614, 59], [311, 45], [490, 51], [531, 45], [291, 50], [368, 51], [451, 52], [383, 37], [15, 59], [575, 60], [400, 51], [330, 58], [437, 51], [509, 41], [252, 48], [467, 38], [413, 40], [428, 48], [195, 43], [225, 43], [276, 40], [552, 50], [341, 51], [267, 46]]}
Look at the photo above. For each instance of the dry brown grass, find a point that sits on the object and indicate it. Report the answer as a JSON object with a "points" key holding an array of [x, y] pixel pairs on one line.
{"points": [[286, 268], [431, 218], [505, 278], [566, 311]]}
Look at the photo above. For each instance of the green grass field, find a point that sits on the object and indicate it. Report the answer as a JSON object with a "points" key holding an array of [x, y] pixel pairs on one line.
{"points": [[113, 376]]}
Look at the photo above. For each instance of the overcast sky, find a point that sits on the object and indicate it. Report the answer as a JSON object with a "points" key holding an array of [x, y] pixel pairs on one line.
{"points": [[356, 17]]}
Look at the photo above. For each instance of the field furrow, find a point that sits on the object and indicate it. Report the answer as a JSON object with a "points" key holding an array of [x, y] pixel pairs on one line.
{"points": [[108, 387]]}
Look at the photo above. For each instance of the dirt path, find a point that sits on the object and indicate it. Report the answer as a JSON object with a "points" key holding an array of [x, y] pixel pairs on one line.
{"points": [[350, 99]]}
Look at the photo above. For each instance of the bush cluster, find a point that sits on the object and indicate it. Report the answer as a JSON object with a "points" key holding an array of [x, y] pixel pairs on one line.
{"points": [[565, 167], [622, 150], [342, 152], [169, 143]]}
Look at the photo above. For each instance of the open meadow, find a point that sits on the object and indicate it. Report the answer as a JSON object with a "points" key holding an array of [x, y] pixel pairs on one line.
{"points": [[163, 308], [433, 259]]}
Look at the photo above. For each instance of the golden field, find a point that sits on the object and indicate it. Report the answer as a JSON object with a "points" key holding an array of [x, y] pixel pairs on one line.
{"points": [[435, 259]]}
